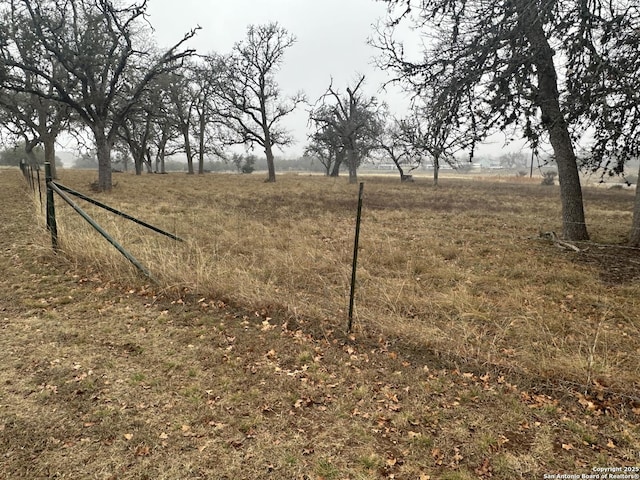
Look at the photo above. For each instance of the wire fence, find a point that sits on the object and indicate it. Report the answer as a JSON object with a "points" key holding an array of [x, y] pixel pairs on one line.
{"points": [[31, 173]]}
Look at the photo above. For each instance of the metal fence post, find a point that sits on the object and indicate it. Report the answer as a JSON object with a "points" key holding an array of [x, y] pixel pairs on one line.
{"points": [[355, 258], [51, 209]]}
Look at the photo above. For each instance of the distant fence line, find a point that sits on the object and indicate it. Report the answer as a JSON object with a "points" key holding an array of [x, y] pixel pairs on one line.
{"points": [[31, 174]]}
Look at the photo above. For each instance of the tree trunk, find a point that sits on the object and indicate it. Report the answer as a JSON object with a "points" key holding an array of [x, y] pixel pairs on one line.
{"points": [[50, 153], [203, 126], [31, 156], [335, 172], [148, 162], [399, 167], [103, 147], [634, 237], [352, 163], [161, 151], [187, 149], [138, 162], [270, 163], [574, 226]]}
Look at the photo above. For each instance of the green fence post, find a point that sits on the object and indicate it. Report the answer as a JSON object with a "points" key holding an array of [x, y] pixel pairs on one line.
{"points": [[51, 209]]}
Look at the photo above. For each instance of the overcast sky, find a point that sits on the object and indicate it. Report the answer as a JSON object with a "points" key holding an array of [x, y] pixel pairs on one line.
{"points": [[331, 43]]}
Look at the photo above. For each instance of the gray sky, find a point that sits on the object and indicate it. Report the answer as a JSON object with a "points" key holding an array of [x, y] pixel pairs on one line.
{"points": [[331, 43]]}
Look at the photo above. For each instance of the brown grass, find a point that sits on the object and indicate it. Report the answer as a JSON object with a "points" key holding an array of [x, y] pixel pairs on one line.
{"points": [[459, 270], [480, 350]]}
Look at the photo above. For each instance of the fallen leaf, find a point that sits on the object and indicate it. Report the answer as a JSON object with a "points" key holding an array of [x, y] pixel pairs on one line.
{"points": [[457, 457], [485, 469], [164, 436], [436, 453], [610, 444], [142, 451], [128, 436], [567, 446], [587, 404]]}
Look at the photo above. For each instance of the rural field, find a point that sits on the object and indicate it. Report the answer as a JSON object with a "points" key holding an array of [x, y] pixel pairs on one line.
{"points": [[480, 348]]}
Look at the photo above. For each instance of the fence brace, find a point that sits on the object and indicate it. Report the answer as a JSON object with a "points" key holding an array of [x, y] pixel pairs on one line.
{"points": [[52, 226]]}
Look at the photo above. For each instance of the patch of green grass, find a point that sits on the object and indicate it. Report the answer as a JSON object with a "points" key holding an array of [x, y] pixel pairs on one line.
{"points": [[371, 461], [138, 377], [326, 469], [457, 475]]}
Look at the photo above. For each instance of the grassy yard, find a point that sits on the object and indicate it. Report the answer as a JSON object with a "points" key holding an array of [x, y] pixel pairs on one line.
{"points": [[480, 348]]}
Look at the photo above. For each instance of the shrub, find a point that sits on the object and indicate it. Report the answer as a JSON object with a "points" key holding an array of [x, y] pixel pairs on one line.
{"points": [[548, 178]]}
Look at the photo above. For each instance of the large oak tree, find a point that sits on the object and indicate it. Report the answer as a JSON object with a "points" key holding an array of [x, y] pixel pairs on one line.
{"points": [[506, 62]]}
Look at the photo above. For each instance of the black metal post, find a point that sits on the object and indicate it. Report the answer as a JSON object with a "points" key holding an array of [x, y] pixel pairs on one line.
{"points": [[51, 209], [39, 186], [32, 184], [23, 168], [531, 168], [355, 258]]}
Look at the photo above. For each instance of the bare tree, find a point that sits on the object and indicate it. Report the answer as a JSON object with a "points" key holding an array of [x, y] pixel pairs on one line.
{"points": [[36, 121], [209, 124], [396, 144], [326, 146], [354, 119], [250, 100], [167, 126], [434, 130], [97, 44], [183, 97], [136, 132]]}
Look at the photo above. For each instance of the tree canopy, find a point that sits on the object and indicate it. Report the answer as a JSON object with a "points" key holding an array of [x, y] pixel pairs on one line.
{"points": [[347, 125], [89, 55], [251, 105], [521, 65]]}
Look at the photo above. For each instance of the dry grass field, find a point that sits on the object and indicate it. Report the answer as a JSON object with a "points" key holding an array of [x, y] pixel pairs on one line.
{"points": [[479, 350]]}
